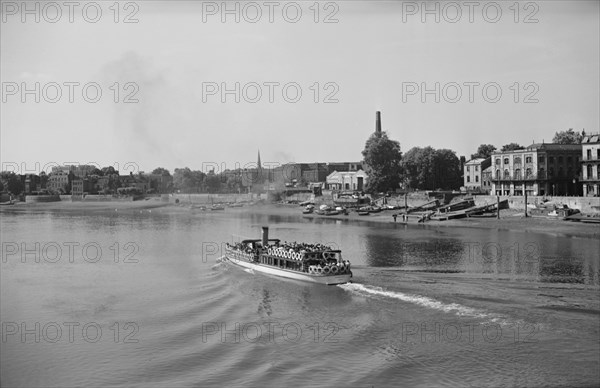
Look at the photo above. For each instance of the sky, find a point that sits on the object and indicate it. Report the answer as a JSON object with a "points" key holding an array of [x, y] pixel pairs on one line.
{"points": [[311, 76]]}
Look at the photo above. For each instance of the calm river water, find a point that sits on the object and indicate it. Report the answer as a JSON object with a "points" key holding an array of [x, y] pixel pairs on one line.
{"points": [[141, 298]]}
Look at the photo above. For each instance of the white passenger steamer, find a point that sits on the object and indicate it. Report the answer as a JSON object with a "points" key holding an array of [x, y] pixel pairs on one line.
{"points": [[294, 261]]}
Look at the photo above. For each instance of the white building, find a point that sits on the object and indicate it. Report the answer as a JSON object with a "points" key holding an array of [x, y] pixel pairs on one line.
{"points": [[590, 165], [473, 174], [347, 180]]}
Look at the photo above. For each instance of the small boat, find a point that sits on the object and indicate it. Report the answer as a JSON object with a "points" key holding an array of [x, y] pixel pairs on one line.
{"points": [[307, 211], [593, 218], [217, 207], [375, 209], [313, 263]]}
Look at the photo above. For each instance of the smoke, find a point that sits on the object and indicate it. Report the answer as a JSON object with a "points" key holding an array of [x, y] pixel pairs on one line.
{"points": [[140, 128]]}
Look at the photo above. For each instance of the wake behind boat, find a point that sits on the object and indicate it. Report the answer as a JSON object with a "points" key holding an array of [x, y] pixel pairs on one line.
{"points": [[307, 262]]}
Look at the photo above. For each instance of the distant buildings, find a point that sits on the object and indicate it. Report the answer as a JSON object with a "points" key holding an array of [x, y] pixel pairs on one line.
{"points": [[590, 165], [263, 178], [59, 182], [473, 174], [134, 181], [77, 187], [540, 169], [347, 180]]}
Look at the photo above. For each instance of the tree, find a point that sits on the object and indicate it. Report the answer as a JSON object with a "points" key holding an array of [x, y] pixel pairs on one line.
{"points": [[567, 137], [417, 167], [234, 183], [43, 179], [213, 183], [431, 169], [114, 183], [382, 163], [447, 170], [188, 181], [161, 171], [512, 147], [13, 182], [484, 151], [110, 170]]}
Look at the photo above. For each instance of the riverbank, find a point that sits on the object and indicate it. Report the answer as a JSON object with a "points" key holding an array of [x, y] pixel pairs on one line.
{"points": [[509, 219], [80, 206]]}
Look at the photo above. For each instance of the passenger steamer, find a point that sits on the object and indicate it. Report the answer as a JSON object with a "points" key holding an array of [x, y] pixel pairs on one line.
{"points": [[324, 266]]}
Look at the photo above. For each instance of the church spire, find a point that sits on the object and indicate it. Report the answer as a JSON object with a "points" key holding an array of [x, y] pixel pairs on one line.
{"points": [[258, 162], [259, 172]]}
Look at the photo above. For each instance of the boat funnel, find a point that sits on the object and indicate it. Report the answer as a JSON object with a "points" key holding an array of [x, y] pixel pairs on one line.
{"points": [[378, 122], [265, 236]]}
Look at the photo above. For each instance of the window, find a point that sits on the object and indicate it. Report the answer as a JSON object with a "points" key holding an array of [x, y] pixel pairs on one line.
{"points": [[468, 179], [560, 171], [569, 159], [476, 168], [518, 160], [506, 174], [541, 159], [560, 159], [498, 161], [551, 171], [589, 154], [505, 160], [551, 159], [598, 153], [518, 173], [476, 178], [589, 171], [528, 172], [467, 168], [498, 173], [528, 159]]}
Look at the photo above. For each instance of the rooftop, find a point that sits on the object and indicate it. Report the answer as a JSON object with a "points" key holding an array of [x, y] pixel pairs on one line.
{"points": [[476, 161], [544, 146], [592, 138]]}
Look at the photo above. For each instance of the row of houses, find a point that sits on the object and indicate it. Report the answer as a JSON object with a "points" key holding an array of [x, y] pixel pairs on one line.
{"points": [[80, 180], [540, 169]]}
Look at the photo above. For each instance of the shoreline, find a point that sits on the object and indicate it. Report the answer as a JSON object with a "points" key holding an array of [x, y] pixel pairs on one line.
{"points": [[509, 220]]}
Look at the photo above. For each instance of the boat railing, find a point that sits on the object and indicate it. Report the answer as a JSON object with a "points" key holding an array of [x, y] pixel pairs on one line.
{"points": [[288, 253]]}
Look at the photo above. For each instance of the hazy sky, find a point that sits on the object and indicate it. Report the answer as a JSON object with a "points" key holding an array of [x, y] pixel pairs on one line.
{"points": [[379, 55]]}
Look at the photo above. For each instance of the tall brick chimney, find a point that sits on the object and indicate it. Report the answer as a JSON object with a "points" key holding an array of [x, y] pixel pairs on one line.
{"points": [[378, 122]]}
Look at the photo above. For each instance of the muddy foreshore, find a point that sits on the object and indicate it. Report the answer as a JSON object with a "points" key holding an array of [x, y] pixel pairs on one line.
{"points": [[509, 220]]}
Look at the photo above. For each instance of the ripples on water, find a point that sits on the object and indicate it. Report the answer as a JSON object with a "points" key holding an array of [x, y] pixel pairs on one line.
{"points": [[428, 307]]}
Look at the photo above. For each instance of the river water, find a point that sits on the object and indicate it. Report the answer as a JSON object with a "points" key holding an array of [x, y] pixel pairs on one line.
{"points": [[141, 298]]}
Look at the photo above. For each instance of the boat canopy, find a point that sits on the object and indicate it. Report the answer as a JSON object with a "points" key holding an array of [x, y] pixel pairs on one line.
{"points": [[274, 240]]}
